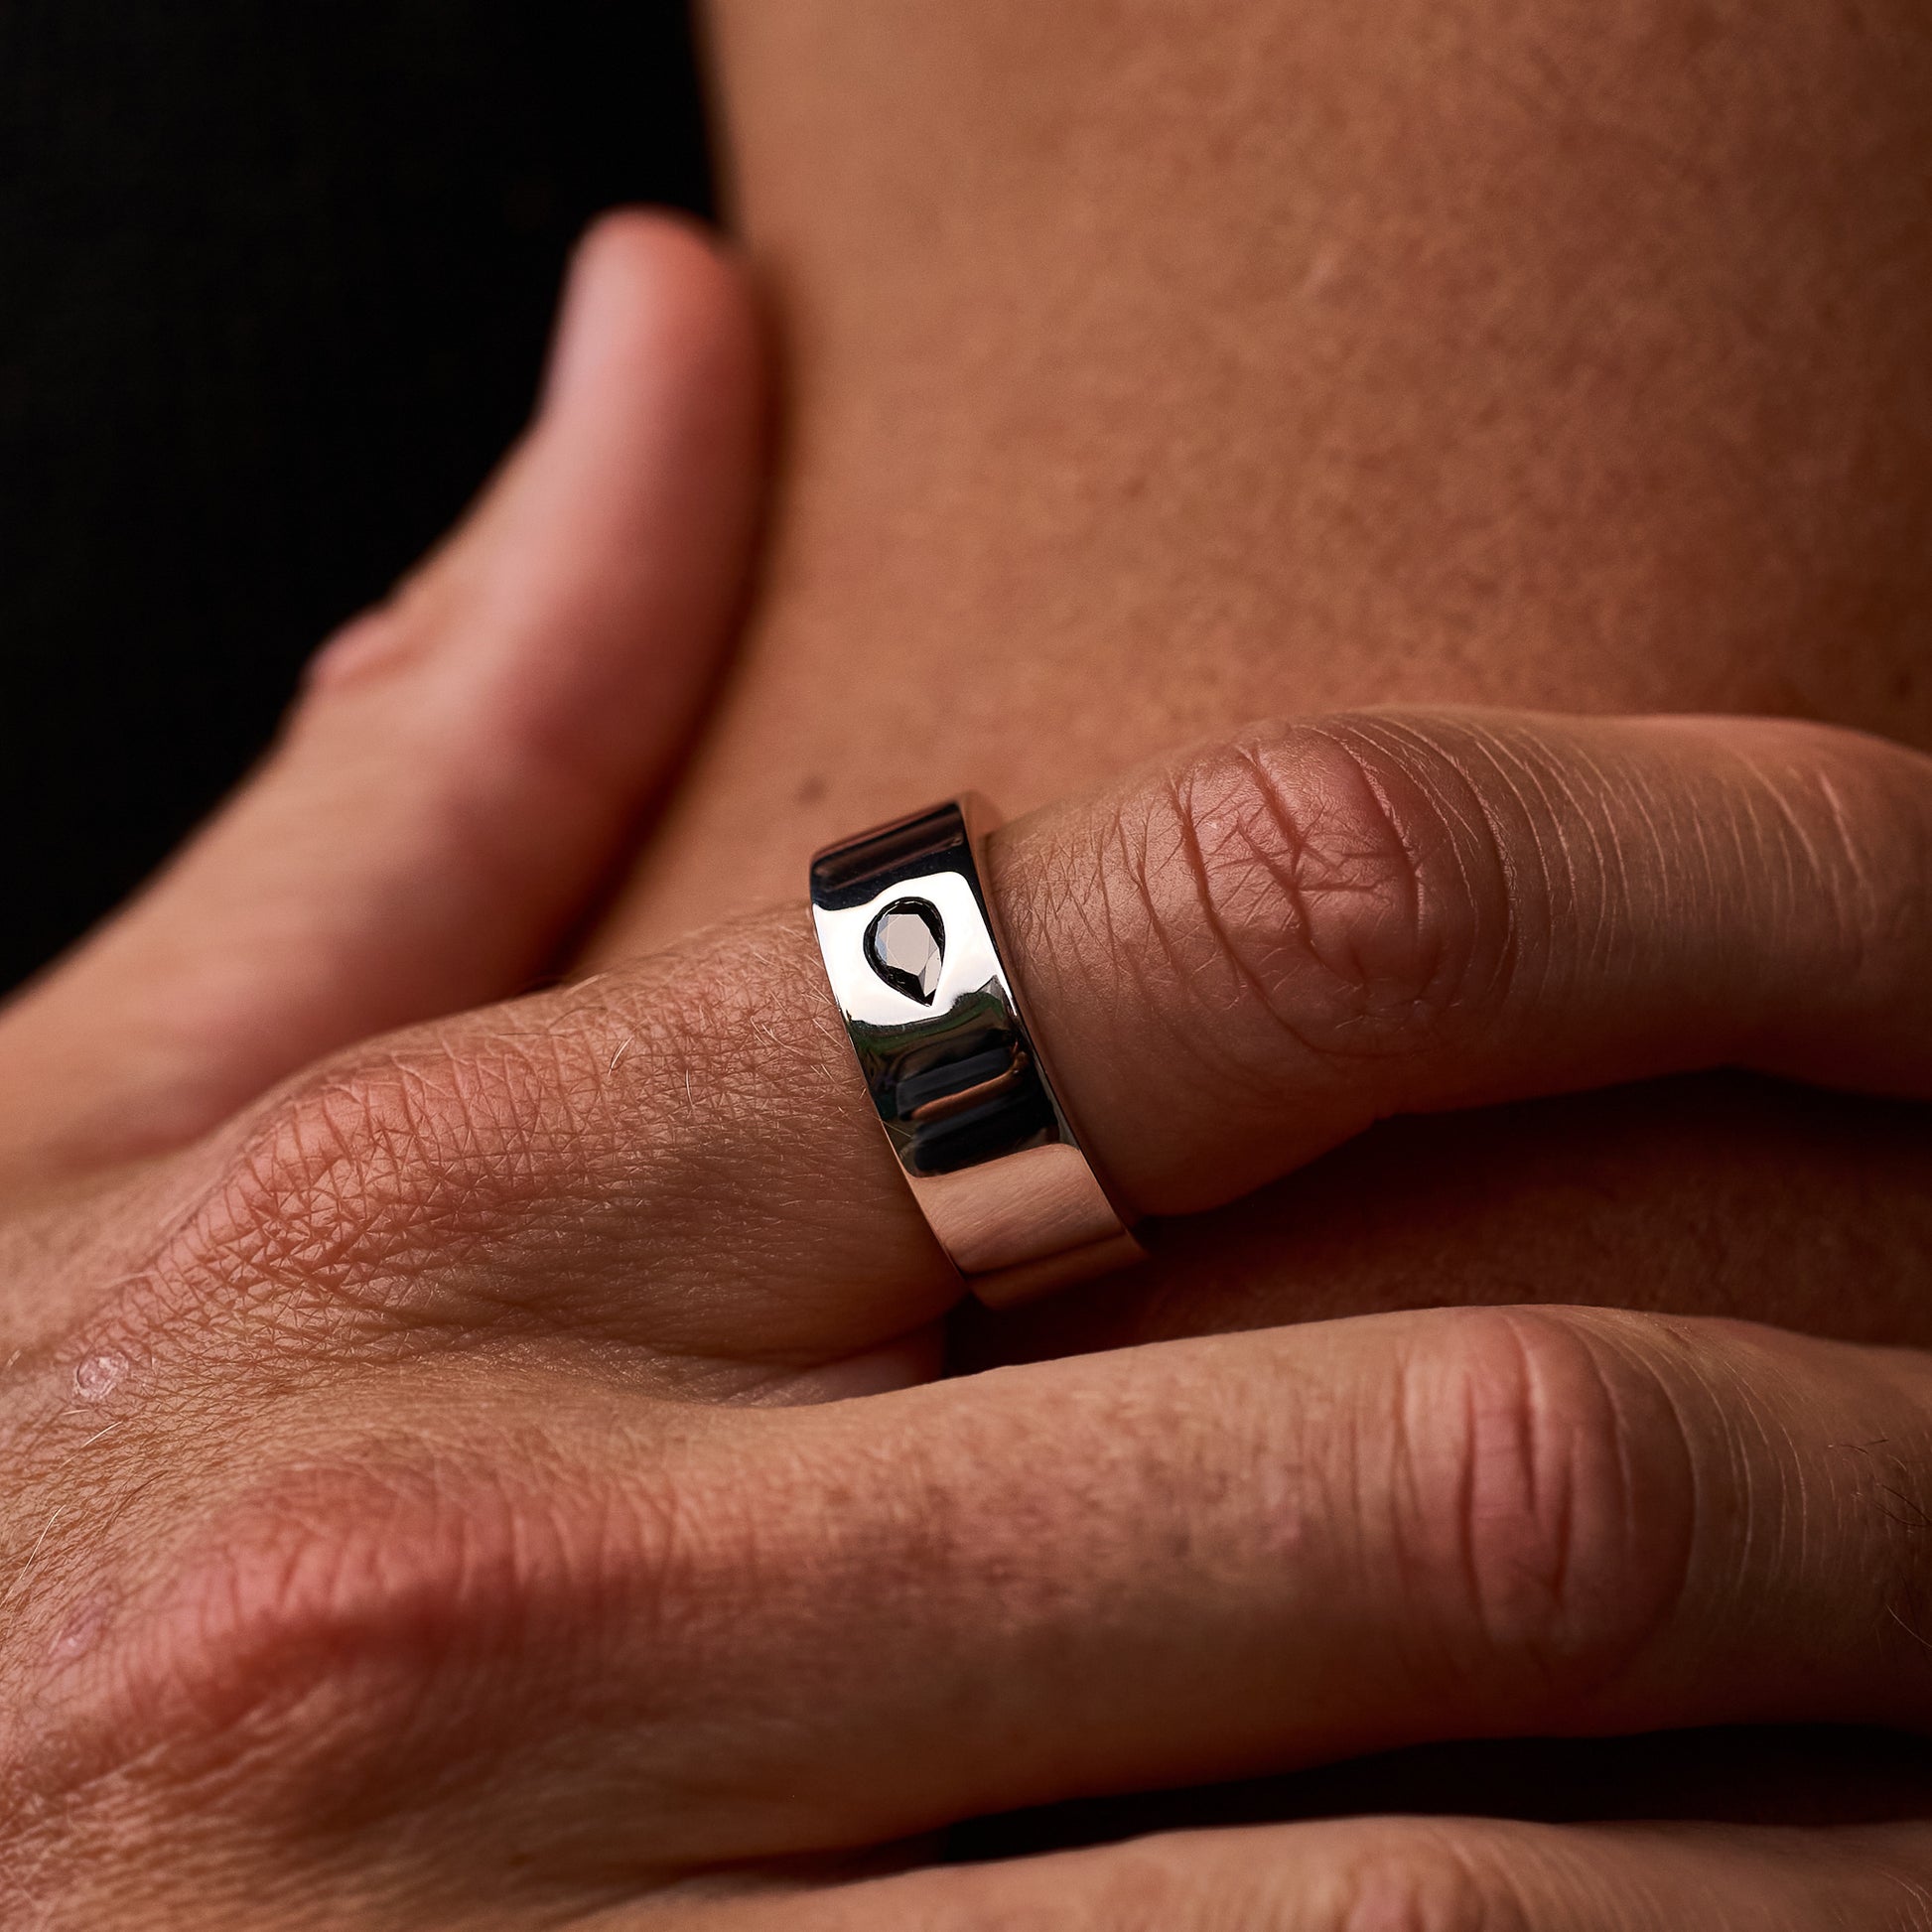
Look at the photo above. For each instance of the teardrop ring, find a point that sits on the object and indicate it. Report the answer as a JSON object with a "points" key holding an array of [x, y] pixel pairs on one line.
{"points": [[911, 946]]}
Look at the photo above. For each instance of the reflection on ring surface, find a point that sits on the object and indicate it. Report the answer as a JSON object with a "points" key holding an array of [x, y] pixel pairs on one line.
{"points": [[959, 1086]]}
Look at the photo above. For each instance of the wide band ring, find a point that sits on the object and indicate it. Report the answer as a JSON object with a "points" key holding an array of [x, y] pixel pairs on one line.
{"points": [[911, 946]]}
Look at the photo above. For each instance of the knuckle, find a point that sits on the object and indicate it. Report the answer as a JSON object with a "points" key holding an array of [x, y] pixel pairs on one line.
{"points": [[345, 1621], [1316, 882], [348, 1182], [1548, 1493], [486, 1178], [392, 1184]]}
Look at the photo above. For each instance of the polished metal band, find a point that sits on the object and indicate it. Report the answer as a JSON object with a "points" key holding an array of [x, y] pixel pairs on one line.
{"points": [[913, 950]]}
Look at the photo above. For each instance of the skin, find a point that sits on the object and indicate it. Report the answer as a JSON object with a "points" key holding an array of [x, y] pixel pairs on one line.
{"points": [[1147, 373], [1150, 373], [435, 1492]]}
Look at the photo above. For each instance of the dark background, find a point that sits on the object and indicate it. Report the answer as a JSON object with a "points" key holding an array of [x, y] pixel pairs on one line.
{"points": [[275, 280]]}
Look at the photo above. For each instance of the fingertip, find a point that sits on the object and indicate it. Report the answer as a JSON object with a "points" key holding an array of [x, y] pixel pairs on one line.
{"points": [[655, 303], [650, 416], [638, 505]]}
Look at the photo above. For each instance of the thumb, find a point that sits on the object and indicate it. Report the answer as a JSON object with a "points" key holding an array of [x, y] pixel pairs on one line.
{"points": [[466, 762]]}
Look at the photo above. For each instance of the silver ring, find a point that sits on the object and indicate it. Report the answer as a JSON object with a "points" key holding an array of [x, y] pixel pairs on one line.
{"points": [[912, 949]]}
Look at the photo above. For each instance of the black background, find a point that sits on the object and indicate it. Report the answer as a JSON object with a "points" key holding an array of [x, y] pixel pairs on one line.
{"points": [[275, 280]]}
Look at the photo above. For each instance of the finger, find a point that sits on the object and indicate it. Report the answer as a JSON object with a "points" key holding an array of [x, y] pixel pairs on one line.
{"points": [[1209, 1558], [1235, 962], [466, 762], [779, 1631], [1386, 1874], [1263, 948]]}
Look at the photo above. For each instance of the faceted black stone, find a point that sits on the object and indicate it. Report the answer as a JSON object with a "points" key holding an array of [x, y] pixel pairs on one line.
{"points": [[905, 945]]}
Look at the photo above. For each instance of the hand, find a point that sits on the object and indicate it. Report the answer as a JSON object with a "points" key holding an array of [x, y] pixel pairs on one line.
{"points": [[473, 756], [1106, 438], [418, 1508]]}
